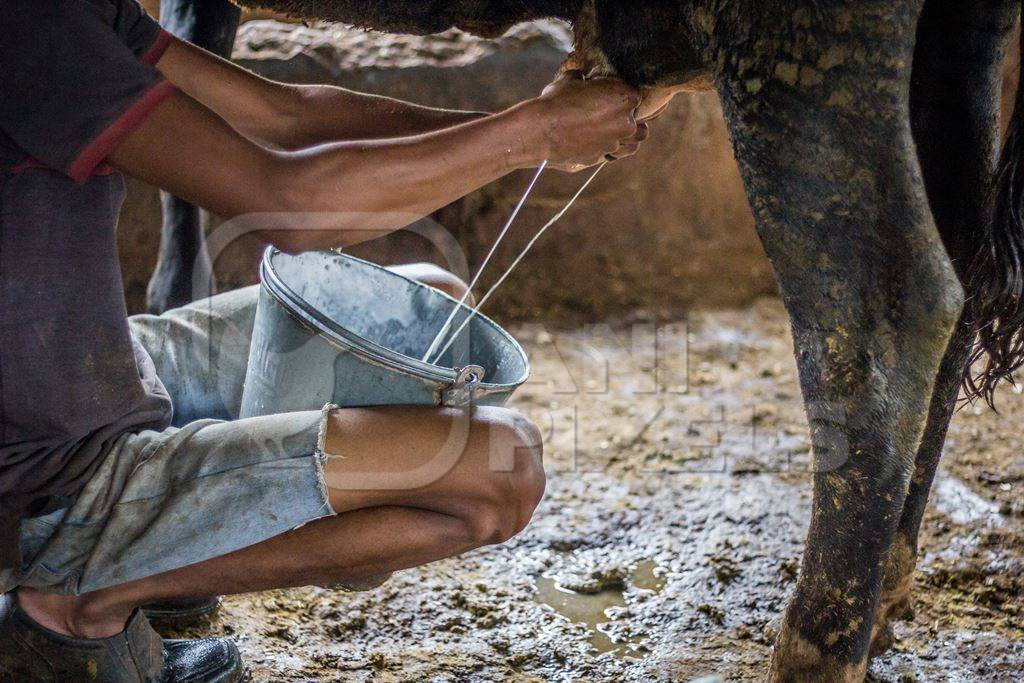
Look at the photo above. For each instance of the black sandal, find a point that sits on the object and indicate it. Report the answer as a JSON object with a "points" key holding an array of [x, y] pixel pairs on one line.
{"points": [[30, 652]]}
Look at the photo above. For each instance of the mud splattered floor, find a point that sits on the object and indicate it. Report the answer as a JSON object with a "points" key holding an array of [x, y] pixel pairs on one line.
{"points": [[670, 535]]}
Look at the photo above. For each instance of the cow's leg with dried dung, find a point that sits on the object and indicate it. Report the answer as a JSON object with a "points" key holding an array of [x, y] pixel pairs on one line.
{"points": [[817, 99], [955, 104]]}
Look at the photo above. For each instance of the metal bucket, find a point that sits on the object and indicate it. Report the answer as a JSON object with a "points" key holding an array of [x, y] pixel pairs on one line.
{"points": [[331, 328]]}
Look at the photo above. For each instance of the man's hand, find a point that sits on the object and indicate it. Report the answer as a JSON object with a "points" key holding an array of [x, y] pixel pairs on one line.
{"points": [[587, 122]]}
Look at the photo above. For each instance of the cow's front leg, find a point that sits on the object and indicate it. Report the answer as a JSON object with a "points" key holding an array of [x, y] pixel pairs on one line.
{"points": [[183, 261], [817, 98]]}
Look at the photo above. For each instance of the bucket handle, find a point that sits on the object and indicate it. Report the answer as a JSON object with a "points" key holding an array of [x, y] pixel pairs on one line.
{"points": [[460, 392]]}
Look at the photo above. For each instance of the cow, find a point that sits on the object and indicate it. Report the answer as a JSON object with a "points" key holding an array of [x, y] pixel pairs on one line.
{"points": [[868, 138]]}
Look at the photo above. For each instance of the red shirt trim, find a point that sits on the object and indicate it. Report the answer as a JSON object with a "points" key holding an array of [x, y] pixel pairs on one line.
{"points": [[106, 142], [31, 163], [157, 49]]}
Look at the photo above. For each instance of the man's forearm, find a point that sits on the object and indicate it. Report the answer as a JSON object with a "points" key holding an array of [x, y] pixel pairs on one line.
{"points": [[345, 193], [291, 117], [319, 113]]}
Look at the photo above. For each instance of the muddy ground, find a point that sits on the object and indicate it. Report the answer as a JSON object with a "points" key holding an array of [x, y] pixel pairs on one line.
{"points": [[670, 535]]}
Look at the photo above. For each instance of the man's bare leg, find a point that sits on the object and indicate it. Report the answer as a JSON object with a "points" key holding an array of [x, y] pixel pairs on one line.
{"points": [[486, 496]]}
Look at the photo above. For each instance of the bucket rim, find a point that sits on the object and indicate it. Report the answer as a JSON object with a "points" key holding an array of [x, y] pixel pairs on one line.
{"points": [[272, 282]]}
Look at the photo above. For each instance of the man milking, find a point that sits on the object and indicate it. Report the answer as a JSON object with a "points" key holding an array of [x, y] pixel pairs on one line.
{"points": [[125, 478]]}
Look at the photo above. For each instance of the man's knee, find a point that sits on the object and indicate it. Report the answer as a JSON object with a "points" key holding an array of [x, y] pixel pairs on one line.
{"points": [[513, 480]]}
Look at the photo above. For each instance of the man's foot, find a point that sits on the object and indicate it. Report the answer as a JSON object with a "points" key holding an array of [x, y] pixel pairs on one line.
{"points": [[30, 652], [179, 614]]}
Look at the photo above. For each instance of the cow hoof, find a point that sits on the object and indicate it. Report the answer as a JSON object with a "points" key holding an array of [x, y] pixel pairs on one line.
{"points": [[773, 628], [882, 640], [797, 660], [883, 637], [896, 605]]}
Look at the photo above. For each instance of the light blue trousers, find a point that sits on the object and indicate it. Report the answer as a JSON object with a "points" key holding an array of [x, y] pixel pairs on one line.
{"points": [[206, 487]]}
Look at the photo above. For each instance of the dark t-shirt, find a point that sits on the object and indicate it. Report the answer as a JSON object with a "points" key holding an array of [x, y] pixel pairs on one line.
{"points": [[76, 76]]}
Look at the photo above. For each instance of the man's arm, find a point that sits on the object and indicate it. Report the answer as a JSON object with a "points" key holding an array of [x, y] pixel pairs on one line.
{"points": [[295, 116], [342, 193]]}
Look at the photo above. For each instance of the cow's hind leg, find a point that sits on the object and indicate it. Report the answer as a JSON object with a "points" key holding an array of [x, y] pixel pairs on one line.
{"points": [[955, 104], [817, 99], [183, 261]]}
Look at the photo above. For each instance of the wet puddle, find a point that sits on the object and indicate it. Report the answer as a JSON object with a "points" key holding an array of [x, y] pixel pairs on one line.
{"points": [[597, 611]]}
